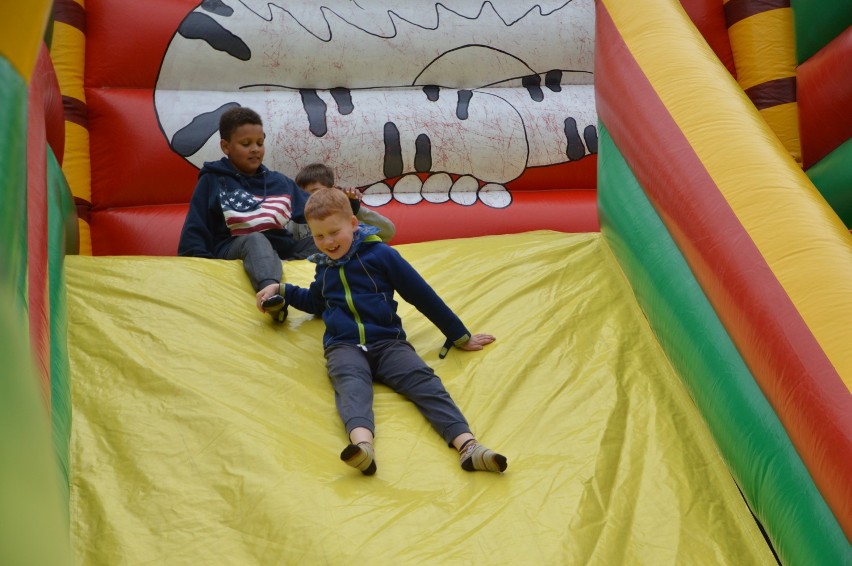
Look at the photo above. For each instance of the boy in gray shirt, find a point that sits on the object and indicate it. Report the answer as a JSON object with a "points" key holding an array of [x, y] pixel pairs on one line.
{"points": [[317, 176]]}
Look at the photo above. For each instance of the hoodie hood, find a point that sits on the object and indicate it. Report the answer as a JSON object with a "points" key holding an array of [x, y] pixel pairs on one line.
{"points": [[224, 167]]}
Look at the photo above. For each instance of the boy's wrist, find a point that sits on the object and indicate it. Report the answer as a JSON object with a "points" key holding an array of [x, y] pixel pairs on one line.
{"points": [[445, 349]]}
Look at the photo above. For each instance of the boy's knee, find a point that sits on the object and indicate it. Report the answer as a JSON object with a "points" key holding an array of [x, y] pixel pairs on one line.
{"points": [[349, 372], [247, 244], [256, 239]]}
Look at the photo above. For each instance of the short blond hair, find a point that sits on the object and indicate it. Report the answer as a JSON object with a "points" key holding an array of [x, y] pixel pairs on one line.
{"points": [[325, 202]]}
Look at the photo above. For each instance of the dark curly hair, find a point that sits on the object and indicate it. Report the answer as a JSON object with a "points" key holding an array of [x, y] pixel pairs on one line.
{"points": [[233, 118]]}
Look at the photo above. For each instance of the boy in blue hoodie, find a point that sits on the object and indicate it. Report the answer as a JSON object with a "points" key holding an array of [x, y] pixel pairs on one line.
{"points": [[353, 289], [239, 209]]}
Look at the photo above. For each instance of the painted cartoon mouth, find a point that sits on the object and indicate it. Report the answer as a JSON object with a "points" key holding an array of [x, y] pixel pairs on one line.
{"points": [[454, 113], [438, 188]]}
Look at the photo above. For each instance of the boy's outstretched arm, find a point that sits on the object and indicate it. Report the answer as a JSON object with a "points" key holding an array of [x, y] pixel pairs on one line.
{"points": [[307, 300], [415, 290]]}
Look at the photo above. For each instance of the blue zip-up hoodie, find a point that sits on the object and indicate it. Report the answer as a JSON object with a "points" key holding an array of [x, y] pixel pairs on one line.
{"points": [[355, 295], [205, 233]]}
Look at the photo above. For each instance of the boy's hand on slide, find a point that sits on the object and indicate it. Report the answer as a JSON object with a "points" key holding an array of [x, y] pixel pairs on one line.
{"points": [[477, 342], [264, 294]]}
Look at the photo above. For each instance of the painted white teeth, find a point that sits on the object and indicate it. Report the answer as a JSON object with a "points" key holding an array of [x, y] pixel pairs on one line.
{"points": [[464, 190], [438, 188], [407, 189], [377, 194]]}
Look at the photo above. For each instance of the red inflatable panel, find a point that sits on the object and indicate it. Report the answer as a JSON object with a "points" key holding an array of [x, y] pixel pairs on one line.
{"points": [[40, 114], [54, 111], [147, 230], [580, 174], [825, 99], [155, 230], [564, 211], [134, 35], [132, 164]]}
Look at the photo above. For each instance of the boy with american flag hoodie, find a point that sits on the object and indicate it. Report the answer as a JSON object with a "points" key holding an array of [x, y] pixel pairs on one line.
{"points": [[239, 209]]}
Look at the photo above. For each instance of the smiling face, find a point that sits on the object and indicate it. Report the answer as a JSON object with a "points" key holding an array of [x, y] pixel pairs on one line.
{"points": [[333, 234], [245, 148]]}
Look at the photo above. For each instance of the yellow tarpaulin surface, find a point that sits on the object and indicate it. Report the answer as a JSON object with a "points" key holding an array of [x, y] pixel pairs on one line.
{"points": [[205, 434]]}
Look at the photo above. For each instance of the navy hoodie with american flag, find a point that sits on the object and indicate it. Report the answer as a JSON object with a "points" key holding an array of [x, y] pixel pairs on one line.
{"points": [[227, 203]]}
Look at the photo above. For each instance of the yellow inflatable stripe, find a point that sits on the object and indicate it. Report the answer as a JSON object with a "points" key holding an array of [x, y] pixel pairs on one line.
{"points": [[77, 169], [763, 47], [764, 51], [76, 165], [85, 238], [68, 53], [22, 32], [802, 239], [784, 121]]}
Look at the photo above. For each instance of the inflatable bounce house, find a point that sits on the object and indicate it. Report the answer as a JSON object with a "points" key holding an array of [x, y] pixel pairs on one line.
{"points": [[647, 202]]}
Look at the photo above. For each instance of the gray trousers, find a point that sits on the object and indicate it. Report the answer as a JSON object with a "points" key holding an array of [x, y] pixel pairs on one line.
{"points": [[393, 363], [260, 259], [304, 248]]}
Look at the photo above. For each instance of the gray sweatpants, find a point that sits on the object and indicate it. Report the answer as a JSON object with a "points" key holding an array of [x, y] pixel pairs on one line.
{"points": [[393, 363], [304, 248], [260, 259]]}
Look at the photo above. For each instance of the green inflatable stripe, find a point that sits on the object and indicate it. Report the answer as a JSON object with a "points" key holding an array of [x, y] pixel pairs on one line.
{"points": [[32, 527], [34, 524], [817, 23], [60, 214], [748, 433], [833, 177], [13, 183]]}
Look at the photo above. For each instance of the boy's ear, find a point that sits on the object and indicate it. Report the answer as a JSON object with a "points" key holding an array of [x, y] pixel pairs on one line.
{"points": [[354, 221], [224, 145]]}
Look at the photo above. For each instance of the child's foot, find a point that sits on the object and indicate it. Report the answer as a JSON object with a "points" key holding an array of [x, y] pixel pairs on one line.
{"points": [[476, 457], [361, 457], [276, 308]]}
